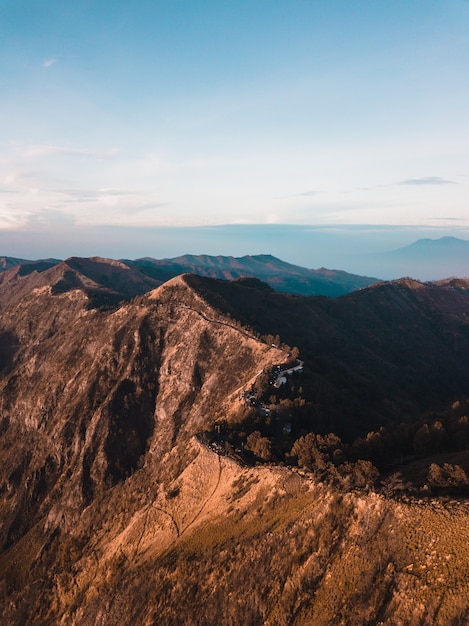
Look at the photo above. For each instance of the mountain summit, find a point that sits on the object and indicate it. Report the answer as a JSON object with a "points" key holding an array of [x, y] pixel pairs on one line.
{"points": [[280, 275], [428, 259]]}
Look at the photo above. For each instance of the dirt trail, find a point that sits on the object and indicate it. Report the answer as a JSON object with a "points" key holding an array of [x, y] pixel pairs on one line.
{"points": [[207, 500]]}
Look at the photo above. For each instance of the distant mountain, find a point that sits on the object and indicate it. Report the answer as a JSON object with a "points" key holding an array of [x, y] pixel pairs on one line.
{"points": [[103, 281], [280, 275], [457, 284], [428, 259], [8, 262], [425, 259]]}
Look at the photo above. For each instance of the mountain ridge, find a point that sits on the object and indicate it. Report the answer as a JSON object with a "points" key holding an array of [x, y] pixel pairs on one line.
{"points": [[279, 274], [103, 280], [151, 469]]}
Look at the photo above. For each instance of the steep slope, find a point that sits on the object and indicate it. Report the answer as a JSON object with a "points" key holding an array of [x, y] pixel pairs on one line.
{"points": [[89, 397], [280, 275], [223, 544], [105, 281], [388, 352], [114, 512]]}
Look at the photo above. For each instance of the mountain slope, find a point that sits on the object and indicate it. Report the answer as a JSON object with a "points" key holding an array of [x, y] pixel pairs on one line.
{"points": [[223, 544], [280, 275], [7, 263], [388, 352], [95, 391], [113, 509], [104, 281]]}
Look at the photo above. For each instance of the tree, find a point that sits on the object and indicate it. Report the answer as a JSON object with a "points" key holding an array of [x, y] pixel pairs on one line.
{"points": [[307, 452], [447, 475], [359, 474], [260, 446], [422, 440]]}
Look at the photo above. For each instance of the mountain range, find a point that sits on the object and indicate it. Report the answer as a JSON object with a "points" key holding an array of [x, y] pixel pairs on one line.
{"points": [[425, 259], [204, 451], [278, 274]]}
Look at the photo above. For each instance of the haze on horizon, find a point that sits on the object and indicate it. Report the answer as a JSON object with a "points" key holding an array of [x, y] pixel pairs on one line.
{"points": [[130, 131]]}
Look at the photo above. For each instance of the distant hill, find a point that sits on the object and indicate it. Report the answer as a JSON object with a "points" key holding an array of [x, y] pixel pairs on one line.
{"points": [[280, 275], [427, 259], [104, 281], [147, 273], [8, 262]]}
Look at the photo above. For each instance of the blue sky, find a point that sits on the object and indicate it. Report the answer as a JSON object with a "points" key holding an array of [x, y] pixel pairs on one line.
{"points": [[194, 113]]}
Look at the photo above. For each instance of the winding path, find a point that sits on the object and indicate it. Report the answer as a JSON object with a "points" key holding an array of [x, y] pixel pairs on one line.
{"points": [[207, 500]]}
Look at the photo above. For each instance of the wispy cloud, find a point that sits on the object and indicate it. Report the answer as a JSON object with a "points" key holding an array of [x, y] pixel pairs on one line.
{"points": [[47, 63], [8, 190], [417, 182], [110, 198], [308, 193], [18, 178], [35, 150], [50, 217], [447, 219], [148, 206], [427, 180], [85, 195], [303, 194]]}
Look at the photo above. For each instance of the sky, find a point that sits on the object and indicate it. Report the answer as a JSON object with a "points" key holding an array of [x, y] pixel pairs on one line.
{"points": [[138, 123]]}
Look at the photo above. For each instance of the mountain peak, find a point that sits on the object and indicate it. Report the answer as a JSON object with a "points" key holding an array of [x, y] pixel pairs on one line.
{"points": [[279, 275], [177, 283], [447, 241]]}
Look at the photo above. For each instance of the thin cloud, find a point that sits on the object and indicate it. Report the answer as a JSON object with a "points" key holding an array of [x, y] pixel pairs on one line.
{"points": [[148, 206], [447, 219], [47, 63], [8, 190], [49, 217], [303, 194], [78, 195], [35, 150], [110, 198], [427, 180], [308, 193]]}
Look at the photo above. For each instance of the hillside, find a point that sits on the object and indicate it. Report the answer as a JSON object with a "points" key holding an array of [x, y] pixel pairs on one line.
{"points": [[124, 498], [392, 351], [224, 544], [104, 281], [280, 275]]}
